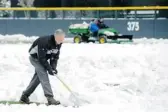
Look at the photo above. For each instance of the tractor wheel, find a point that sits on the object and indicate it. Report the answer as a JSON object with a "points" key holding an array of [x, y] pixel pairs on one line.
{"points": [[102, 39], [77, 39]]}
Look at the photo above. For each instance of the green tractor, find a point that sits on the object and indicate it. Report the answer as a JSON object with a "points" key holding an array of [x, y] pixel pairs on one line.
{"points": [[83, 34]]}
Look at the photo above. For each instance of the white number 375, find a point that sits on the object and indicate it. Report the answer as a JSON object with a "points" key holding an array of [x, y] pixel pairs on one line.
{"points": [[133, 26]]}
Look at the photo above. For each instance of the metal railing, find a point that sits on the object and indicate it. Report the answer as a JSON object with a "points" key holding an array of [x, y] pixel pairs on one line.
{"points": [[152, 12]]}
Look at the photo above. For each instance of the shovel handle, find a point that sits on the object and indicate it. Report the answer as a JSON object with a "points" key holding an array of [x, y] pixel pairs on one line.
{"points": [[66, 86]]}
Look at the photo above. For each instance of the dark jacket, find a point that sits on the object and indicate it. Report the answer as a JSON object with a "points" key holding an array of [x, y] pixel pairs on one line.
{"points": [[45, 48], [102, 25]]}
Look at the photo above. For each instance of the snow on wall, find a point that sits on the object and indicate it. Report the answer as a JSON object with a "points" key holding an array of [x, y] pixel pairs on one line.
{"points": [[19, 38]]}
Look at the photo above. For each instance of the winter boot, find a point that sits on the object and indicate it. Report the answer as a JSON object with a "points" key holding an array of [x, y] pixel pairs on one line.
{"points": [[52, 101], [24, 99]]}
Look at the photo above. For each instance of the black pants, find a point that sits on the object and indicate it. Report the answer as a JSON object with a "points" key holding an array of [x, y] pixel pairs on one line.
{"points": [[95, 34]]}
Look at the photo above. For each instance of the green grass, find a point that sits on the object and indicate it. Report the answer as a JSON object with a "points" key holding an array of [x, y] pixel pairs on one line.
{"points": [[17, 102], [10, 102]]}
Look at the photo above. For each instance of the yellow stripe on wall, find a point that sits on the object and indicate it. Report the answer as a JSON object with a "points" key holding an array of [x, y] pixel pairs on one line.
{"points": [[88, 8]]}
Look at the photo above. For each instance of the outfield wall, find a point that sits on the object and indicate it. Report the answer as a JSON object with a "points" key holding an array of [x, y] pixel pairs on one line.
{"points": [[139, 28]]}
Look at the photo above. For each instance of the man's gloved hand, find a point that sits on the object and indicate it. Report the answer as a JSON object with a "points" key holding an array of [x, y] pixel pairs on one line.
{"points": [[55, 71], [50, 72]]}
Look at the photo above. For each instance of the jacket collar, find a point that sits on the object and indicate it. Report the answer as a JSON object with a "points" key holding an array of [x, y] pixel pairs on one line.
{"points": [[53, 40]]}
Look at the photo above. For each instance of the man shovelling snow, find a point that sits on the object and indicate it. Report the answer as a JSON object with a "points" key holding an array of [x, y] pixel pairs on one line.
{"points": [[44, 49]]}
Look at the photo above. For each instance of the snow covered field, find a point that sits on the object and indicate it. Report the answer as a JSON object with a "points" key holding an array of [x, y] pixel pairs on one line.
{"points": [[112, 77]]}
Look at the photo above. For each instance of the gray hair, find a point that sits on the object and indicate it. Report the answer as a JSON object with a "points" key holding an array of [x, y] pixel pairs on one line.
{"points": [[59, 32]]}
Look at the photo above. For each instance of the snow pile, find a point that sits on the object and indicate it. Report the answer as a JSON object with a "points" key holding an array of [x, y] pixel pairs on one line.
{"points": [[19, 38], [112, 77], [84, 25], [150, 40]]}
